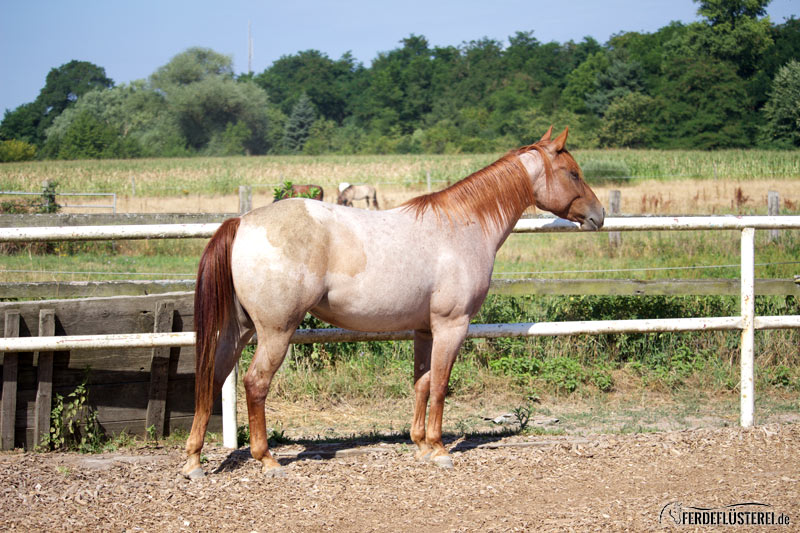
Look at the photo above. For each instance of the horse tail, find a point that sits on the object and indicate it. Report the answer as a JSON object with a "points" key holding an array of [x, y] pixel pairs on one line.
{"points": [[213, 308]]}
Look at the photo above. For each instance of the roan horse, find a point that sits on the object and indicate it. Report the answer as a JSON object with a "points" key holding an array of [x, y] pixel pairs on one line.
{"points": [[423, 266], [358, 192]]}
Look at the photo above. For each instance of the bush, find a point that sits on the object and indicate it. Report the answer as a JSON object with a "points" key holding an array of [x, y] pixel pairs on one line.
{"points": [[14, 150]]}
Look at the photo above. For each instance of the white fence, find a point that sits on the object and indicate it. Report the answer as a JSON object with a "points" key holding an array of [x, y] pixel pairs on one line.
{"points": [[746, 322]]}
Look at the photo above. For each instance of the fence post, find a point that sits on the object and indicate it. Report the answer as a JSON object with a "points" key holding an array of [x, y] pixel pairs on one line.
{"points": [[9, 402], [747, 388], [773, 209], [159, 372], [245, 199], [44, 378], [614, 201]]}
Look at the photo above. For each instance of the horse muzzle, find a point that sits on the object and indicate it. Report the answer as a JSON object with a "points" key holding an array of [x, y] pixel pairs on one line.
{"points": [[594, 219]]}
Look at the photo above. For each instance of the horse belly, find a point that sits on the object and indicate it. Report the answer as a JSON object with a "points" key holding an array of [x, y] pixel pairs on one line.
{"points": [[374, 309]]}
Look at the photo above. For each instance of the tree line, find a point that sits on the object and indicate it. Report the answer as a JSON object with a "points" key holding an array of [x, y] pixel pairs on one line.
{"points": [[729, 80]]}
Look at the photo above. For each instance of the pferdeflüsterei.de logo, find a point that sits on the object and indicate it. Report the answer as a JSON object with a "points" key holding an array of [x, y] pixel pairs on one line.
{"points": [[737, 514]]}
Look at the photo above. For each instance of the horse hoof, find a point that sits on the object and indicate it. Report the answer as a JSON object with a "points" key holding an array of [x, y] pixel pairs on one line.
{"points": [[197, 473], [275, 472], [443, 461], [424, 457]]}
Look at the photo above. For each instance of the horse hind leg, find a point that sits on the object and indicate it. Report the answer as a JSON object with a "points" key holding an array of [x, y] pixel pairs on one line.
{"points": [[270, 352], [229, 348]]}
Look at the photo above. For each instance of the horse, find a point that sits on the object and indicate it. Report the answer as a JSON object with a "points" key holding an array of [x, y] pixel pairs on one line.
{"points": [[423, 266], [297, 190], [358, 192]]}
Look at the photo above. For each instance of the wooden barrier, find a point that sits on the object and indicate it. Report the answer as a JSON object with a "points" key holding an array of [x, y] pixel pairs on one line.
{"points": [[508, 287], [131, 389]]}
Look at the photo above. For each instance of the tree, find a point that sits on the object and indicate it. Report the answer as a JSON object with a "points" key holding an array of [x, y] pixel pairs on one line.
{"points": [[732, 32], [86, 138], [627, 122], [23, 123], [702, 104], [298, 127], [782, 110], [65, 84], [63, 87], [329, 84], [192, 66]]}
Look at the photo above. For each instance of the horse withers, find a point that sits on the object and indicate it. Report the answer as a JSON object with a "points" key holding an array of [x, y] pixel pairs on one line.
{"points": [[424, 266]]}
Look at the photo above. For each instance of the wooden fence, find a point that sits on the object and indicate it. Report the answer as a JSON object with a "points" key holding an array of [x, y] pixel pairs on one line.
{"points": [[132, 389]]}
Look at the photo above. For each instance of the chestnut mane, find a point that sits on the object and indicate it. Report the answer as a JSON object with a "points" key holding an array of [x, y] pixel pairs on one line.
{"points": [[495, 194]]}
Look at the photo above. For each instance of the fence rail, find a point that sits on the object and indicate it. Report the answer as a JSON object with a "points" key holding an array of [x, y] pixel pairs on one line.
{"points": [[747, 322]]}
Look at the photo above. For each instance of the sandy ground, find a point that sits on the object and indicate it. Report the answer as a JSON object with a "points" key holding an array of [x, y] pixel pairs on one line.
{"points": [[542, 483]]}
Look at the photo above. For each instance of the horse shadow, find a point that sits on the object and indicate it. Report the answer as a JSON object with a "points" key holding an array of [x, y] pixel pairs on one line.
{"points": [[350, 447]]}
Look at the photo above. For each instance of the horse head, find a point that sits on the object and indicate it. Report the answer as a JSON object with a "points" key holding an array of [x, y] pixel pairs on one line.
{"points": [[562, 191]]}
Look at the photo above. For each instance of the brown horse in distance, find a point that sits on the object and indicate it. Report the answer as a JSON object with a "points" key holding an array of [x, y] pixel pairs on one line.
{"points": [[298, 190]]}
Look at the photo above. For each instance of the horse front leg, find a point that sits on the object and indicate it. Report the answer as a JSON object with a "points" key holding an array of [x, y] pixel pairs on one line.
{"points": [[447, 340], [422, 381], [268, 357]]}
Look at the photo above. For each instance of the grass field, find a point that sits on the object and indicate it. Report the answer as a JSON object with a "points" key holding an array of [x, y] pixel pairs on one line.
{"points": [[595, 372], [176, 177]]}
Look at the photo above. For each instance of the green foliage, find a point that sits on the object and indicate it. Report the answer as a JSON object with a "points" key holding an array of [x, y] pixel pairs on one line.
{"points": [[285, 191], [14, 150], [298, 127], [782, 111], [73, 423]]}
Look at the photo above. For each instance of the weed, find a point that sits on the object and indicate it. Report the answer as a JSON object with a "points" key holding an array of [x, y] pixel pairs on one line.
{"points": [[523, 415], [242, 435], [73, 423]]}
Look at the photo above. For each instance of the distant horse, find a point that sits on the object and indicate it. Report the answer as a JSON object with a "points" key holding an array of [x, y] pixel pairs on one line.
{"points": [[424, 266], [358, 192], [297, 190]]}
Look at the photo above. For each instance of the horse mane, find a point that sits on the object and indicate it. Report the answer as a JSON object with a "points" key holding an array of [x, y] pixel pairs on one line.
{"points": [[496, 194]]}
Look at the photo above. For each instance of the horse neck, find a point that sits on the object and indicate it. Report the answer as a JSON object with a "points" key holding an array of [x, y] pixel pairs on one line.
{"points": [[494, 198]]}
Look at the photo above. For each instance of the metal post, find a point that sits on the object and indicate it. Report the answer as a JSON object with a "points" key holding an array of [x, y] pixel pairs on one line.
{"points": [[747, 389]]}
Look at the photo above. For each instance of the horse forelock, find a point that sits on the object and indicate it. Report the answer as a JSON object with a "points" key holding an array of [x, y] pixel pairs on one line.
{"points": [[496, 194]]}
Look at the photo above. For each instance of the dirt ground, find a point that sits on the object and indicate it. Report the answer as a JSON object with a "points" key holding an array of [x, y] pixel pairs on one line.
{"points": [[531, 483]]}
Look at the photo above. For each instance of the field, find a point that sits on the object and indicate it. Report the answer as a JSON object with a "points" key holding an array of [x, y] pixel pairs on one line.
{"points": [[605, 369], [619, 425]]}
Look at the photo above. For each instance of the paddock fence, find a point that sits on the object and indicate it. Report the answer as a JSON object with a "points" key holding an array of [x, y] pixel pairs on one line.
{"points": [[746, 321]]}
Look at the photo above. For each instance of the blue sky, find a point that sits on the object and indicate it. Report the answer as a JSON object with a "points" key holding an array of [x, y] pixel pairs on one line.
{"points": [[132, 39]]}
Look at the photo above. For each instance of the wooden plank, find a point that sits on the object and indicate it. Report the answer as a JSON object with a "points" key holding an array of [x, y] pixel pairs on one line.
{"points": [[8, 411], [89, 289], [108, 219], [44, 389], [518, 287], [627, 287], [159, 371]]}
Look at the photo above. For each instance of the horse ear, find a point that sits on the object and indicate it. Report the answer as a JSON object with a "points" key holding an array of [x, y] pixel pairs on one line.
{"points": [[547, 134], [561, 140]]}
